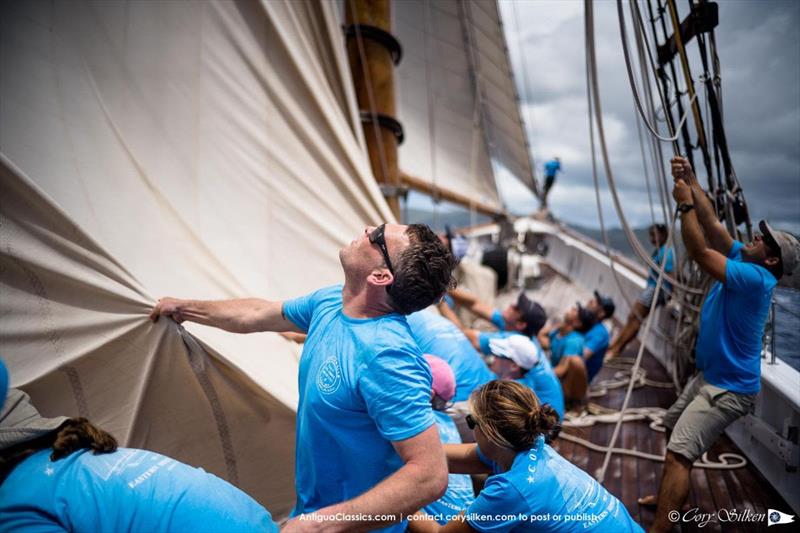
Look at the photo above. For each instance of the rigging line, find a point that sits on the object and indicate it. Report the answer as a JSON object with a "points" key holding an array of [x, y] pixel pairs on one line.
{"points": [[370, 96], [431, 111], [610, 177], [610, 256], [525, 86], [642, 45], [687, 142], [643, 48], [687, 74], [673, 136], [637, 363], [641, 141], [646, 173], [589, 29]]}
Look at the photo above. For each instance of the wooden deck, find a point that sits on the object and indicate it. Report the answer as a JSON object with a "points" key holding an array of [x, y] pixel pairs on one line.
{"points": [[744, 489]]}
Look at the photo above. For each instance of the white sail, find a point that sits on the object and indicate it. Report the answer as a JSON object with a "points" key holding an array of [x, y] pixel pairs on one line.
{"points": [[192, 149], [456, 97]]}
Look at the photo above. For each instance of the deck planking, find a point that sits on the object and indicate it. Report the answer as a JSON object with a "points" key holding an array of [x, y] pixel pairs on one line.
{"points": [[629, 478]]}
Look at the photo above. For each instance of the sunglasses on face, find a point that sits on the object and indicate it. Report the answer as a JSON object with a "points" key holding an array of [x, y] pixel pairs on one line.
{"points": [[470, 421], [376, 237]]}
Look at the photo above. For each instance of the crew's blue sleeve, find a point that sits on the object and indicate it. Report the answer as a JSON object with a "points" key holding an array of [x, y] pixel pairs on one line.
{"points": [[669, 265], [747, 277], [301, 310], [573, 345], [483, 341], [498, 320], [499, 507], [396, 388], [595, 341]]}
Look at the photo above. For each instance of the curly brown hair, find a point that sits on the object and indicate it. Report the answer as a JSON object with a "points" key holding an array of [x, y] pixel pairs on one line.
{"points": [[73, 435], [511, 416], [422, 272]]}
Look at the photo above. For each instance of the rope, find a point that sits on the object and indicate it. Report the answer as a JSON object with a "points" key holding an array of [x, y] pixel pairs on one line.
{"points": [[597, 414], [727, 461], [589, 23], [623, 35]]}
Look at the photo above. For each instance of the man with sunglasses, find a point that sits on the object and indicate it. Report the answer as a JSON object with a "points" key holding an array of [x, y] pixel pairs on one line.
{"points": [[368, 450], [728, 350]]}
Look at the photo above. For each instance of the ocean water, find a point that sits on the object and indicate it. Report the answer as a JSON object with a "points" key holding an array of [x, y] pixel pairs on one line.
{"points": [[787, 326]]}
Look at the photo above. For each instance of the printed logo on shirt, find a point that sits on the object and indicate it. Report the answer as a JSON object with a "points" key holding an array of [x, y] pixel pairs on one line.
{"points": [[329, 375]]}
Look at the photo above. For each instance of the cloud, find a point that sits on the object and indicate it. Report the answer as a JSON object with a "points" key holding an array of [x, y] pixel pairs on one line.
{"points": [[758, 45]]}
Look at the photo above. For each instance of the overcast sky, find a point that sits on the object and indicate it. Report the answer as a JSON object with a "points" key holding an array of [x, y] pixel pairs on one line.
{"points": [[759, 48]]}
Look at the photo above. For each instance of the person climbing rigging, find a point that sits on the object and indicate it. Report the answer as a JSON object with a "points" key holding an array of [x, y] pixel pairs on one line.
{"points": [[728, 349], [551, 168]]}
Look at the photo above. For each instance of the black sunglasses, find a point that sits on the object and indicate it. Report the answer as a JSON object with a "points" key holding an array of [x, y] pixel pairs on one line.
{"points": [[470, 421], [376, 237]]}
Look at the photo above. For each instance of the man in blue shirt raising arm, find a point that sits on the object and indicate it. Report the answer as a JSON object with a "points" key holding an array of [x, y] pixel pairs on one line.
{"points": [[367, 443], [729, 342]]}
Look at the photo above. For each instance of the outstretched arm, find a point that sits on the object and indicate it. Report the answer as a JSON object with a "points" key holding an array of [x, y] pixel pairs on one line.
{"points": [[471, 302], [449, 314], [463, 459], [246, 315], [421, 480], [710, 260], [715, 232]]}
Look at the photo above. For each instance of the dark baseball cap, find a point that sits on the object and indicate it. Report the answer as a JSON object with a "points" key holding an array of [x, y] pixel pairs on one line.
{"points": [[586, 317], [606, 303], [532, 313]]}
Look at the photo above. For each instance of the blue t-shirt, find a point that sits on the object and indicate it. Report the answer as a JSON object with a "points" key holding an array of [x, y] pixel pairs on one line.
{"points": [[540, 485], [363, 384], [3, 383], [460, 494], [438, 336], [731, 324], [545, 384], [551, 167], [658, 256], [498, 320], [128, 490], [596, 340], [569, 344]]}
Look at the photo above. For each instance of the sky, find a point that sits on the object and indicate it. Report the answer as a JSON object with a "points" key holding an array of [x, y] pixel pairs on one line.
{"points": [[759, 48]]}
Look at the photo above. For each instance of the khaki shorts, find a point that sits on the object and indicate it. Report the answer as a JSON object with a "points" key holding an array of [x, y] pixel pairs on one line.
{"points": [[700, 415]]}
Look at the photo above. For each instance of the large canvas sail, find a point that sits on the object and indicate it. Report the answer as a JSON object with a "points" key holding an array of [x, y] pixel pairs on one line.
{"points": [[192, 149], [456, 98]]}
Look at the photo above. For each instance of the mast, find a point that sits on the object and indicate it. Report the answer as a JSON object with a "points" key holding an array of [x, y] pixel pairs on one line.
{"points": [[373, 53]]}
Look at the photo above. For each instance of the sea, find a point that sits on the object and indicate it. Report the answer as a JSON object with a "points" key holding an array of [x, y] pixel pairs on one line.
{"points": [[787, 326]]}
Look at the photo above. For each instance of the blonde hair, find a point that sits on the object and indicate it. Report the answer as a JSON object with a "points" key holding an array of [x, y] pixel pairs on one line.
{"points": [[511, 416]]}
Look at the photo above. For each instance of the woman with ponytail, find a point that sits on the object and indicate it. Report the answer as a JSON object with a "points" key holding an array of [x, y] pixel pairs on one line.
{"points": [[531, 487]]}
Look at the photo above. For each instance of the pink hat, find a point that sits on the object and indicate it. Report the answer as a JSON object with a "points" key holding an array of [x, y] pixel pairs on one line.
{"points": [[444, 381]]}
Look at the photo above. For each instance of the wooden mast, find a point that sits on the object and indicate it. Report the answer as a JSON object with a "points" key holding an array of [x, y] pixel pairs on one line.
{"points": [[373, 52]]}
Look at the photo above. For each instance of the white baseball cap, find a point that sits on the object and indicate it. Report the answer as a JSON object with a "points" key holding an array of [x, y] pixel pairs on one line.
{"points": [[519, 348]]}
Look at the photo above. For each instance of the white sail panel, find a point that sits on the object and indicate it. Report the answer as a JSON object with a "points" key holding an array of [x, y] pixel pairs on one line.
{"points": [[456, 97], [209, 150]]}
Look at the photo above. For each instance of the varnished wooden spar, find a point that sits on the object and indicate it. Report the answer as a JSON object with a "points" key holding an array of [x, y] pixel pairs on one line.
{"points": [[373, 52], [437, 192]]}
